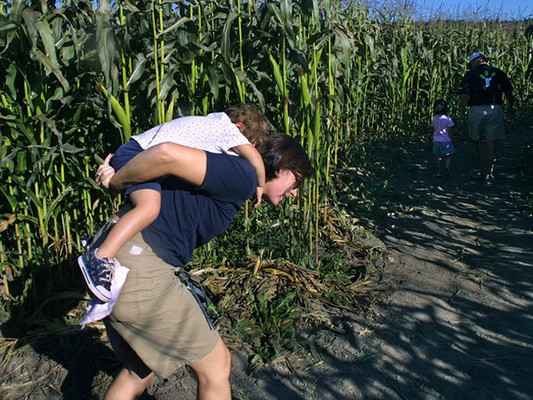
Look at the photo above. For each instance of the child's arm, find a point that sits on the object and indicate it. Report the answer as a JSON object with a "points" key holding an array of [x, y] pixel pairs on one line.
{"points": [[250, 153]]}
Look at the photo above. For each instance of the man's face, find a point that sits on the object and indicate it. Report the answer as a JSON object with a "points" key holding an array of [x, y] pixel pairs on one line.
{"points": [[477, 61], [282, 186]]}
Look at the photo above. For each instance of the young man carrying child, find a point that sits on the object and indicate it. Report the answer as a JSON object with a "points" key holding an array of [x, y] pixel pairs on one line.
{"points": [[156, 325], [236, 131]]}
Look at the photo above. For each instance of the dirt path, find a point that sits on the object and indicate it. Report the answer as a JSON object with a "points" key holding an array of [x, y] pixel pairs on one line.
{"points": [[458, 322], [459, 325]]}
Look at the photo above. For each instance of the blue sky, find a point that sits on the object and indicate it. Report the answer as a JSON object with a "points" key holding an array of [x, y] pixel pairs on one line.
{"points": [[504, 9]]}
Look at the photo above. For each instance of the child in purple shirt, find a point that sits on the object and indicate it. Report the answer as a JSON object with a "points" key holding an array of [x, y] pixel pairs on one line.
{"points": [[442, 138]]}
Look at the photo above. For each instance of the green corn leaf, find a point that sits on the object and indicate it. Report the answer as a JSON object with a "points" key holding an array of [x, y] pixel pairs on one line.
{"points": [[250, 84], [30, 23], [10, 80], [277, 75], [169, 115], [36, 200], [213, 80], [51, 207], [138, 70], [71, 149], [106, 51], [48, 42], [227, 43], [39, 56], [12, 200], [9, 157], [304, 88], [121, 116], [177, 24], [8, 27], [167, 83]]}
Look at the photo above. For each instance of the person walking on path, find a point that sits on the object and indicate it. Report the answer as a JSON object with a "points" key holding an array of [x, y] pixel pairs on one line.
{"points": [[482, 89], [156, 325], [442, 138]]}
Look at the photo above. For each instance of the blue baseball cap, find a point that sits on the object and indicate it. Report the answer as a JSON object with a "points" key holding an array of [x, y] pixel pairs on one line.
{"points": [[476, 55]]}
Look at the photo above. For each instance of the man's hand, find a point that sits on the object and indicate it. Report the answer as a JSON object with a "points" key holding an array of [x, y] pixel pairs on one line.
{"points": [[105, 173]]}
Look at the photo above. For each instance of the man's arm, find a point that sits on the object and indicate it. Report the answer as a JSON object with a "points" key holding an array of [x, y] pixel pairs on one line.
{"points": [[510, 98], [163, 159], [507, 89]]}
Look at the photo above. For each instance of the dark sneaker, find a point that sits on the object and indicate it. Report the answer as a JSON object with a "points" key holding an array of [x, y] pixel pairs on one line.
{"points": [[98, 273], [474, 174], [489, 179]]}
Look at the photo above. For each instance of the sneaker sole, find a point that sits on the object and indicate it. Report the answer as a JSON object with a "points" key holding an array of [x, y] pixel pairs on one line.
{"points": [[90, 285]]}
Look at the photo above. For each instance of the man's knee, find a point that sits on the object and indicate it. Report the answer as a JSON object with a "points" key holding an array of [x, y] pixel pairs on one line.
{"points": [[128, 385], [215, 366], [225, 361]]}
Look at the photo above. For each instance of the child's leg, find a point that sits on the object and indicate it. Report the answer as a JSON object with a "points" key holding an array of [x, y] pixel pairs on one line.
{"points": [[449, 161], [439, 164], [146, 205]]}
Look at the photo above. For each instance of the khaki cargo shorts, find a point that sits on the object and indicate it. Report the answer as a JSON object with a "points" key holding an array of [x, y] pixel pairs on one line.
{"points": [[156, 324], [486, 122]]}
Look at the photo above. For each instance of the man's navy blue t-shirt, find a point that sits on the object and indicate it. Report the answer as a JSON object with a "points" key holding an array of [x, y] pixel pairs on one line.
{"points": [[191, 216]]}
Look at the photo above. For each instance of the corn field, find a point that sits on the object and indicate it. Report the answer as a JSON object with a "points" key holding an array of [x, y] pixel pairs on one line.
{"points": [[80, 77]]}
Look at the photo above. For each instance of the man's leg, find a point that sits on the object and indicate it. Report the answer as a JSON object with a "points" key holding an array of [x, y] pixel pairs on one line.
{"points": [[494, 131], [128, 386], [476, 124], [475, 172], [491, 156], [474, 153], [213, 373]]}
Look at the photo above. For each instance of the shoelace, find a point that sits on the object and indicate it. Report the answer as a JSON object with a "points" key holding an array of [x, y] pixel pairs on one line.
{"points": [[106, 274]]}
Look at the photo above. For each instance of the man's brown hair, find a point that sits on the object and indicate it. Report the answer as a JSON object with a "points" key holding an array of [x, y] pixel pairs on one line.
{"points": [[282, 152]]}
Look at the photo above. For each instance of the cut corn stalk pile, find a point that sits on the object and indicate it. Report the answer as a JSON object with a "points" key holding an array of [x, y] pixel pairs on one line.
{"points": [[276, 279], [315, 297]]}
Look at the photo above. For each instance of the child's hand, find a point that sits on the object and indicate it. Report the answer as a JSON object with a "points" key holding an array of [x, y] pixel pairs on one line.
{"points": [[105, 173], [258, 196]]}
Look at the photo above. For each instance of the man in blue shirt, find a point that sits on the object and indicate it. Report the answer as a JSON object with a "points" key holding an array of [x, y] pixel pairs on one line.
{"points": [[156, 325]]}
